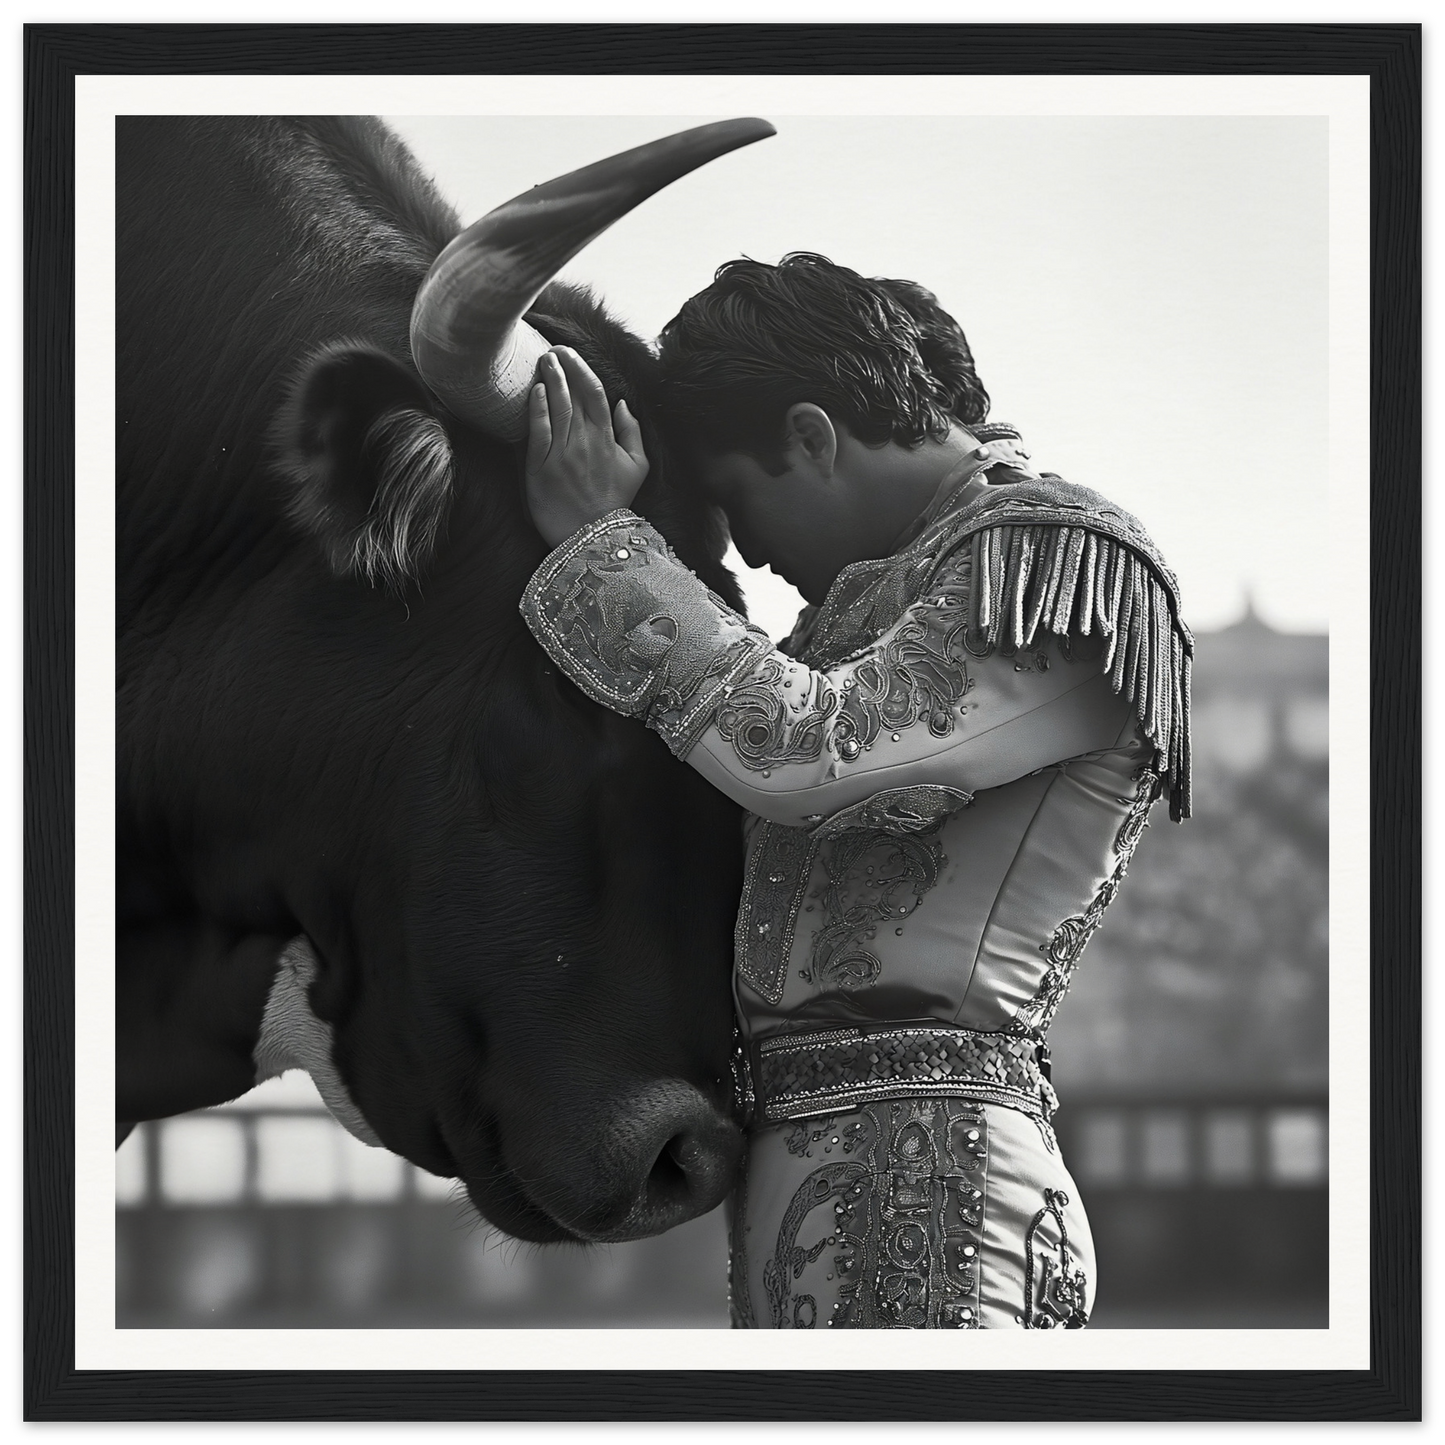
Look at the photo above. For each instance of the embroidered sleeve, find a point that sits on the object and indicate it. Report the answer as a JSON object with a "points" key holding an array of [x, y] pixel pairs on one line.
{"points": [[916, 709], [636, 630]]}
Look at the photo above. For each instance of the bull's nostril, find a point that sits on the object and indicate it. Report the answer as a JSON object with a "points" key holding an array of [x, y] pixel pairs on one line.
{"points": [[670, 1178], [691, 1172], [684, 1151], [664, 1156]]}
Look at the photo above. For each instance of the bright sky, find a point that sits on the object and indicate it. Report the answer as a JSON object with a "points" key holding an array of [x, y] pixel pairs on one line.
{"points": [[1145, 296]]}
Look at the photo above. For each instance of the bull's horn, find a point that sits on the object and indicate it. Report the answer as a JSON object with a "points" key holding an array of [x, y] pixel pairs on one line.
{"points": [[468, 338]]}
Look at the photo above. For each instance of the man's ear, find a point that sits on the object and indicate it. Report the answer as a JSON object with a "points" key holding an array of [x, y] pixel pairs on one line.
{"points": [[812, 440], [368, 462]]}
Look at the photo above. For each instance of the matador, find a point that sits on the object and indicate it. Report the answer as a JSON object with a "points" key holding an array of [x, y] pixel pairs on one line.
{"points": [[946, 769]]}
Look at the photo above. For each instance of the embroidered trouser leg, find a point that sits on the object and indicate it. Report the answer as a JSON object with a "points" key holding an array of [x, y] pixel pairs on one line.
{"points": [[918, 1213]]}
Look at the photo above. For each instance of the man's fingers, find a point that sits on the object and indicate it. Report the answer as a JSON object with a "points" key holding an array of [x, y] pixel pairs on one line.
{"points": [[587, 392], [629, 434], [559, 399], [539, 428]]}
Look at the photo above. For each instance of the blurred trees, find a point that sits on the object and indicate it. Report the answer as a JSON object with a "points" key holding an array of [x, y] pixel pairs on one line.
{"points": [[1210, 972]]}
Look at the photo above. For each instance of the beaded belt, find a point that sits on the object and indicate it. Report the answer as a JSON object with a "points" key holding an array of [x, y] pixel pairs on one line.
{"points": [[793, 1076]]}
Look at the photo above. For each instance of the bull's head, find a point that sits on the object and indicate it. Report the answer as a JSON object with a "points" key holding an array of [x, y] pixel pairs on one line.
{"points": [[532, 994]]}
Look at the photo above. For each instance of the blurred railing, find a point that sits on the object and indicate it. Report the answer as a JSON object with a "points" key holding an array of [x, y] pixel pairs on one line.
{"points": [[1240, 1143], [1205, 1212], [257, 1154], [266, 1212], [254, 1155]]}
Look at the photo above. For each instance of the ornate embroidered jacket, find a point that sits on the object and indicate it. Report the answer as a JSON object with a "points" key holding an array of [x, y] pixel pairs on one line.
{"points": [[947, 766]]}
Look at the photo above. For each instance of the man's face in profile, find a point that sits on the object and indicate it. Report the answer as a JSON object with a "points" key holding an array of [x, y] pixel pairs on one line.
{"points": [[825, 503], [831, 500], [783, 522]]}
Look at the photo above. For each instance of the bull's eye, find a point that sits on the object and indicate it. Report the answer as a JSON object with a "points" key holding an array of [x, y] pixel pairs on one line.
{"points": [[757, 735]]}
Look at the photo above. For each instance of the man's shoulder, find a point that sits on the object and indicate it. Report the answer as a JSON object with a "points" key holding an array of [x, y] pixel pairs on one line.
{"points": [[1025, 512], [1018, 496]]}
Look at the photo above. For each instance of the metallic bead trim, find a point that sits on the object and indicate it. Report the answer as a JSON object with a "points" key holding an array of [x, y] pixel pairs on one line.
{"points": [[905, 1239], [1033, 556], [740, 1302], [868, 872], [1059, 1297], [798, 1075], [1065, 946], [916, 808], [899, 821], [680, 731], [773, 886], [636, 630], [765, 730]]}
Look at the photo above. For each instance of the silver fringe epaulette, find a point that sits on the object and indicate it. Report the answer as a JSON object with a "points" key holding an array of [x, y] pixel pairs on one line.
{"points": [[1077, 571]]}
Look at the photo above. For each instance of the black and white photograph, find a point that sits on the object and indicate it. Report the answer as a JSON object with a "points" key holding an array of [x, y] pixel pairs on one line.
{"points": [[493, 421], [704, 704], [698, 676]]}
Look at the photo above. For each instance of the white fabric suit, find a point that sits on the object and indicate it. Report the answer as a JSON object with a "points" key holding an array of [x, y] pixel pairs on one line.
{"points": [[946, 773]]}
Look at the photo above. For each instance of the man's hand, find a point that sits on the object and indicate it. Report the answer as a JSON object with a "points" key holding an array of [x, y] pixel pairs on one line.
{"points": [[581, 462]]}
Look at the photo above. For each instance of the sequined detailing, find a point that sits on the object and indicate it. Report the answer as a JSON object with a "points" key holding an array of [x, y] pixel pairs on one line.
{"points": [[873, 877], [865, 600], [868, 598], [796, 1076], [880, 856], [1065, 946], [778, 870], [917, 675], [1131, 830], [740, 1076], [1034, 555], [916, 809], [903, 1245], [765, 730], [1060, 1295], [800, 1139], [636, 631]]}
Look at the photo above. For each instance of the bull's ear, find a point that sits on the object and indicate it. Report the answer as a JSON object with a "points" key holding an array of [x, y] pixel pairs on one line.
{"points": [[368, 463]]}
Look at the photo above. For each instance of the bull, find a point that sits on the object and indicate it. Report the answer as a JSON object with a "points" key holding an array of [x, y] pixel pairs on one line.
{"points": [[331, 720]]}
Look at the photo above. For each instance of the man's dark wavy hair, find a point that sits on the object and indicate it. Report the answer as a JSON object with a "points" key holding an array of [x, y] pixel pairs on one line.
{"points": [[882, 357]]}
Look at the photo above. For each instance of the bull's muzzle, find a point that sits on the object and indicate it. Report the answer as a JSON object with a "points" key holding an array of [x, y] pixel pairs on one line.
{"points": [[649, 1160], [468, 338]]}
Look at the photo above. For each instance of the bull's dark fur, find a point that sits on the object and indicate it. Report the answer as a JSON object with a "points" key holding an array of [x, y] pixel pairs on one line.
{"points": [[332, 720]]}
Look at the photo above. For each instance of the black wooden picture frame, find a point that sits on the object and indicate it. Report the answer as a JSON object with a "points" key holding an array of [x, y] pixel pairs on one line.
{"points": [[1390, 1389]]}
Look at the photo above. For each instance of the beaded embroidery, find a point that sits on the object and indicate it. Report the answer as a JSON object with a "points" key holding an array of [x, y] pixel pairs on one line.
{"points": [[1035, 555], [764, 730], [740, 1304], [895, 829], [778, 870], [638, 632], [1065, 946], [861, 894], [919, 808], [1063, 1287], [796, 1076], [917, 675], [901, 1250]]}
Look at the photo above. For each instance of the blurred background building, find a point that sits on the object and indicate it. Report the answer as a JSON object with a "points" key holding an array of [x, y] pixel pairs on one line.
{"points": [[1191, 1058]]}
